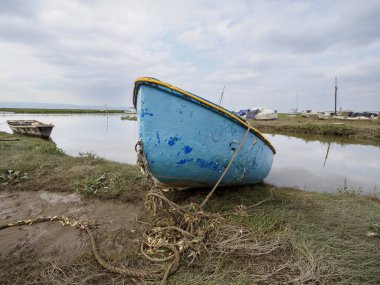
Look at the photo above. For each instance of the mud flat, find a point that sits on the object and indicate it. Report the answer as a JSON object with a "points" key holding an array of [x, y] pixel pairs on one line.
{"points": [[52, 240]]}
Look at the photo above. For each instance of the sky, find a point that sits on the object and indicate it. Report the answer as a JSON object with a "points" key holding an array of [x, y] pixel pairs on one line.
{"points": [[265, 53]]}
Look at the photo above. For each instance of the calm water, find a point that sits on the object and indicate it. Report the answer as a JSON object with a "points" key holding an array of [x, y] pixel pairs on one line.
{"points": [[107, 136], [311, 166], [324, 167]]}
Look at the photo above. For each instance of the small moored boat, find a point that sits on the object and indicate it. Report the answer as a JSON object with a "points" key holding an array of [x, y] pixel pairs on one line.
{"points": [[187, 141], [30, 127]]}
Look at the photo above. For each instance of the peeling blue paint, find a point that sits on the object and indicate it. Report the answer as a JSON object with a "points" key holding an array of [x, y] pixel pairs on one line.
{"points": [[158, 138], [178, 153], [187, 149], [173, 140], [208, 164], [145, 113], [183, 161]]}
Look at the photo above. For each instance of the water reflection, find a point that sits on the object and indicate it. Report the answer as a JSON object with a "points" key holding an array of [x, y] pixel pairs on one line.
{"points": [[324, 166], [327, 154]]}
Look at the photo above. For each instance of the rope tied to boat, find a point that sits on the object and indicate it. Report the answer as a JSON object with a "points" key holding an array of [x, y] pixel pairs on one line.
{"points": [[188, 229], [227, 168]]}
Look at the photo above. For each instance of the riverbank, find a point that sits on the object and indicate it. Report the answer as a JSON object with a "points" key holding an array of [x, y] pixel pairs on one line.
{"points": [[58, 111], [357, 131], [312, 237]]}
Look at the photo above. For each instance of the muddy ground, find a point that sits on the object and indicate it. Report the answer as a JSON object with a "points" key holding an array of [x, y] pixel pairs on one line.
{"points": [[50, 240]]}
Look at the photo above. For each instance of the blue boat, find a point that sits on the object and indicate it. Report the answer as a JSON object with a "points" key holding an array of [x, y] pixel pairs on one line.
{"points": [[188, 141]]}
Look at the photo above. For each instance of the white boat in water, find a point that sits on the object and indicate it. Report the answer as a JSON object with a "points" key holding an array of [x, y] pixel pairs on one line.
{"points": [[30, 127]]}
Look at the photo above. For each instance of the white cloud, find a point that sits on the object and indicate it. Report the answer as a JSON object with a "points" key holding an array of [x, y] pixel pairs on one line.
{"points": [[265, 52]]}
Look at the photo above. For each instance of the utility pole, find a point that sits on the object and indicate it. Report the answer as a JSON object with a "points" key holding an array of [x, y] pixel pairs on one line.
{"points": [[336, 91]]}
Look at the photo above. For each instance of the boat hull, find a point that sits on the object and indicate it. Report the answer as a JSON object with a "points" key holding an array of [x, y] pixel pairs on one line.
{"points": [[188, 144], [31, 128]]}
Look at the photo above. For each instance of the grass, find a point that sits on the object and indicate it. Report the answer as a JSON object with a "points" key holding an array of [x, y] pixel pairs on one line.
{"points": [[324, 235], [42, 166], [57, 111], [358, 131], [330, 228]]}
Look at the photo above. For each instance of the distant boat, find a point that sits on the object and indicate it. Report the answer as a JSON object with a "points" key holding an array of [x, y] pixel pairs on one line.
{"points": [[261, 113], [293, 113], [325, 115], [188, 141], [30, 127]]}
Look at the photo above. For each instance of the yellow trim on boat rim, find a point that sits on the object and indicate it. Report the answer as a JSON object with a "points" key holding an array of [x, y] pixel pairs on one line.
{"points": [[205, 102]]}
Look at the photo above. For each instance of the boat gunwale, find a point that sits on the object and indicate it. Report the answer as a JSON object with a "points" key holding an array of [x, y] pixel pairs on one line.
{"points": [[18, 124], [203, 101]]}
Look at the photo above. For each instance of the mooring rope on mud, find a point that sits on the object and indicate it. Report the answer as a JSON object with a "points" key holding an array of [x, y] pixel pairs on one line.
{"points": [[121, 270], [85, 226]]}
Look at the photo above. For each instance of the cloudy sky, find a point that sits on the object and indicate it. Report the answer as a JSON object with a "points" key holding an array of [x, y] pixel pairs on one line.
{"points": [[264, 52]]}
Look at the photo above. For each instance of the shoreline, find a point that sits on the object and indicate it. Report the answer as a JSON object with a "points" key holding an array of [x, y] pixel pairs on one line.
{"points": [[356, 132]]}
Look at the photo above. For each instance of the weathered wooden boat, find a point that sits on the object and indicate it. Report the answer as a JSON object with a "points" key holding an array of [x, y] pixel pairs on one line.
{"points": [[187, 141], [30, 127]]}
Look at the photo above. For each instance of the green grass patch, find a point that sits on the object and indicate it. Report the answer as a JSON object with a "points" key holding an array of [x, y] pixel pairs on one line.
{"points": [[48, 168]]}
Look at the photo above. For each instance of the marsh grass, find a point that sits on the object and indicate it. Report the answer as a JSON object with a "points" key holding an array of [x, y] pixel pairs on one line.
{"points": [[48, 168]]}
